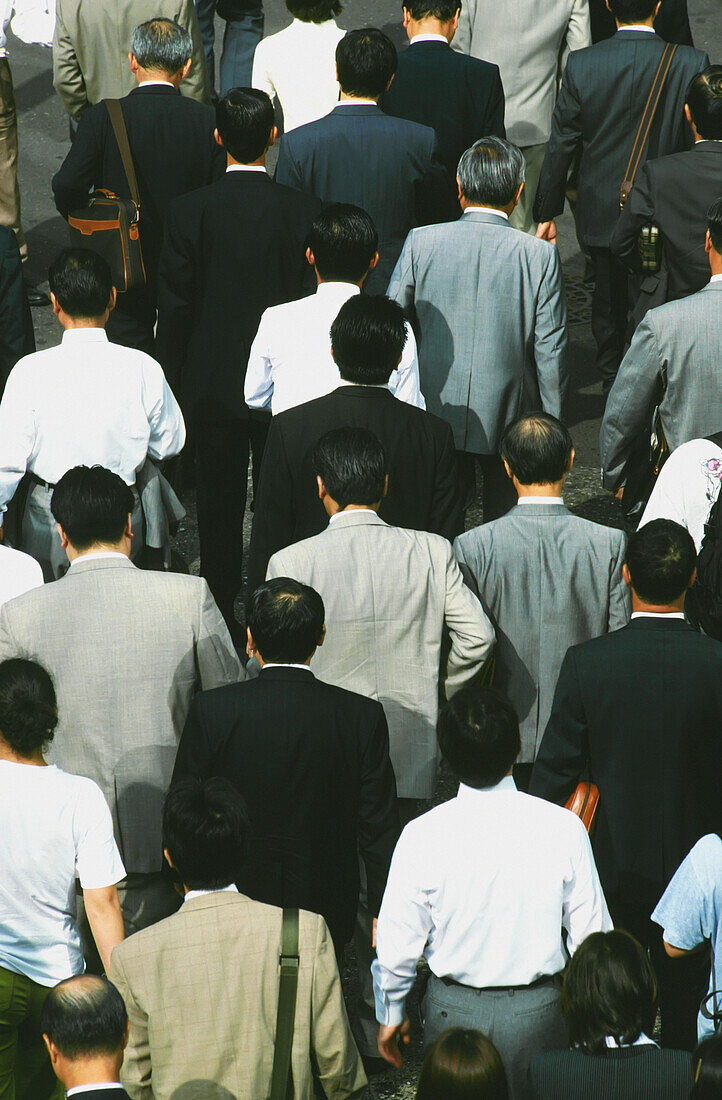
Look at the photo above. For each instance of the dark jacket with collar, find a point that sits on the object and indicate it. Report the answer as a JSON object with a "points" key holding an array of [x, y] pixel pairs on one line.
{"points": [[627, 1073], [671, 23], [423, 484], [110, 1093], [602, 98], [312, 763], [639, 712]]}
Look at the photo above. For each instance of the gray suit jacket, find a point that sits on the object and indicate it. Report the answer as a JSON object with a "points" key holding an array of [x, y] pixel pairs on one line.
{"points": [[127, 651], [548, 580], [529, 41], [387, 593], [682, 343], [491, 323]]}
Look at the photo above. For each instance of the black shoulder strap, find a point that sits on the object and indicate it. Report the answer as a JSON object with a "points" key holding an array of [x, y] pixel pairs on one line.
{"points": [[716, 439], [281, 1079], [121, 136]]}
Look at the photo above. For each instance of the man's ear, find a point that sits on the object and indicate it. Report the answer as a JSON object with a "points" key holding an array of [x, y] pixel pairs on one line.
{"points": [[55, 303], [186, 68], [273, 138], [572, 456], [707, 243], [64, 540], [126, 1036], [128, 533], [627, 575], [321, 487], [169, 861], [507, 467], [374, 261], [112, 301], [693, 578], [386, 487], [688, 113], [217, 137], [322, 639], [52, 1049], [310, 257], [134, 66]]}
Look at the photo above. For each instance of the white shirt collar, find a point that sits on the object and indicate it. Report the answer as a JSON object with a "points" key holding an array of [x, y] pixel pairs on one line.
{"points": [[97, 555], [716, 279], [202, 893], [357, 103], [246, 168], [540, 500], [429, 38], [94, 1088], [657, 615], [642, 1041], [711, 141], [284, 664], [487, 210], [352, 513], [637, 27], [366, 385], [160, 83]]}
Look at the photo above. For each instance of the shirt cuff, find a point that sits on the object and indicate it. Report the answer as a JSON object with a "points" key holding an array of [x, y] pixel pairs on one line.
{"points": [[390, 1012]]}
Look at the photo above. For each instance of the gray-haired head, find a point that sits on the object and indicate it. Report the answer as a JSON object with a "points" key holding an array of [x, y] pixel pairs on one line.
{"points": [[161, 46], [491, 172]]}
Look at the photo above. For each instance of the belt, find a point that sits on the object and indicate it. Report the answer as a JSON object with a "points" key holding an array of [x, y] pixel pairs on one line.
{"points": [[545, 979], [39, 481]]}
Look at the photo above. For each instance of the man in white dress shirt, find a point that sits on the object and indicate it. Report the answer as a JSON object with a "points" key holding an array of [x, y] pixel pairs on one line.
{"points": [[291, 359], [484, 886], [86, 402]]}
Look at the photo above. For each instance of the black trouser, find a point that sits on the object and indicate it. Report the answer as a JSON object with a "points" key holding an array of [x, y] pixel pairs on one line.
{"points": [[609, 314], [498, 492]]}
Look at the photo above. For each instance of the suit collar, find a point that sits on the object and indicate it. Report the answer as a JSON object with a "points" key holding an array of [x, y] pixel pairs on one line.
{"points": [[287, 673], [712, 286], [487, 216], [85, 565], [215, 900], [624, 34], [356, 519], [382, 392], [361, 110], [555, 509], [657, 622], [434, 43], [157, 89]]}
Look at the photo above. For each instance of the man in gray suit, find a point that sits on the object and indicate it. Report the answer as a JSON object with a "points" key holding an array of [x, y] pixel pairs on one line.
{"points": [[546, 578], [490, 315], [127, 651], [673, 362]]}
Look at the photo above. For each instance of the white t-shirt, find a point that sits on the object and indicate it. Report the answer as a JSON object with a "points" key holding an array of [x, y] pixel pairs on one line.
{"points": [[687, 487], [54, 828], [298, 66], [18, 573]]}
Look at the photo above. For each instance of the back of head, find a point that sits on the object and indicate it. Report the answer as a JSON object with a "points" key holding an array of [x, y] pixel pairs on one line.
{"points": [[479, 736], [351, 462], [609, 989], [707, 1062], [704, 99], [714, 225], [161, 46], [285, 618], [462, 1065], [537, 449], [491, 172], [661, 558], [82, 283], [367, 339], [344, 240], [205, 830], [92, 506], [442, 10], [314, 11], [632, 11], [28, 708], [365, 61], [244, 118], [85, 1017]]}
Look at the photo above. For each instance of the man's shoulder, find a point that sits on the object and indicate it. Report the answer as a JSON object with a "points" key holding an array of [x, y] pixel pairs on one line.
{"points": [[670, 318]]}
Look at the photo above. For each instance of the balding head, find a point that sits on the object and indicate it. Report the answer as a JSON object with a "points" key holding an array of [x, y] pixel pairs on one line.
{"points": [[537, 450], [85, 1018]]}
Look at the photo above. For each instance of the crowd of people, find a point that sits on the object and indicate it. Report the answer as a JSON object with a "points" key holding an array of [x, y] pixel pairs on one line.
{"points": [[203, 806]]}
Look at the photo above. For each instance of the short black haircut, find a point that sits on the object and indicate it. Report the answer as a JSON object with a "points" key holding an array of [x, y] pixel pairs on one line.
{"points": [[661, 557], [28, 707], [479, 736], [537, 448], [714, 224], [344, 241], [632, 11], [244, 118], [314, 11], [205, 832], [704, 99], [367, 339], [443, 10], [81, 281], [609, 989], [92, 506], [707, 1066], [286, 619], [365, 61], [85, 1017], [352, 464]]}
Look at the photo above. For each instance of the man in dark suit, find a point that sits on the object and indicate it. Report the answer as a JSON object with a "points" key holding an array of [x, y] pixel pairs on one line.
{"points": [[460, 97], [602, 98], [171, 141], [231, 250], [388, 166], [671, 21], [674, 193], [367, 339], [638, 712], [16, 324]]}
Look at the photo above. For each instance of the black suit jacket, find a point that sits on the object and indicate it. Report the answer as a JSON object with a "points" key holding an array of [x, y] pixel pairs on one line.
{"points": [[423, 483], [101, 1094], [628, 1073], [387, 166], [460, 97], [640, 711], [600, 105], [312, 763], [673, 193], [671, 24], [230, 251], [16, 324]]}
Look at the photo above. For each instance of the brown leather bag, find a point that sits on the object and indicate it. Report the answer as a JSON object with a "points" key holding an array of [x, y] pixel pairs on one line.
{"points": [[584, 802], [650, 109]]}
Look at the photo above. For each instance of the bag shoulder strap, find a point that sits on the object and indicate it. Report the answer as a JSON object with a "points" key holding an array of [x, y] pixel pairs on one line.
{"points": [[281, 1082], [716, 439], [117, 121], [645, 125]]}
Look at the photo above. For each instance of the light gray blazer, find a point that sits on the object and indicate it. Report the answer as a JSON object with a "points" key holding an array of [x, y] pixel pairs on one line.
{"points": [[127, 651], [491, 324], [387, 593], [529, 40], [681, 341], [548, 580]]}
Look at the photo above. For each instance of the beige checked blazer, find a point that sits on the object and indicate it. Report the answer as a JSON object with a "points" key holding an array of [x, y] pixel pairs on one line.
{"points": [[201, 990]]}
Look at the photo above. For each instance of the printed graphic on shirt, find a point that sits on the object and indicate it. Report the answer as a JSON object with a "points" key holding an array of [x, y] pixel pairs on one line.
{"points": [[712, 470]]}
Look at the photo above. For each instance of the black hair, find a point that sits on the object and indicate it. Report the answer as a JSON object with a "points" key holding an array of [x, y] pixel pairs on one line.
{"points": [[81, 281], [286, 619], [365, 61], [28, 707], [714, 224], [161, 45], [367, 339], [443, 10], [344, 240], [478, 735], [84, 1017], [632, 11], [314, 11], [707, 1062], [92, 506], [537, 448], [351, 462], [205, 832], [704, 99], [609, 989], [462, 1064], [661, 557], [244, 118]]}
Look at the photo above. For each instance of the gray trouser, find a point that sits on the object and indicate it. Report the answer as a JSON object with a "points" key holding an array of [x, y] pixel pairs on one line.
{"points": [[521, 217], [521, 1022]]}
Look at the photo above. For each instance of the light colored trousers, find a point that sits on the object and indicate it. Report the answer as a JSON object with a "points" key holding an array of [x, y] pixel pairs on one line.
{"points": [[9, 186], [521, 217]]}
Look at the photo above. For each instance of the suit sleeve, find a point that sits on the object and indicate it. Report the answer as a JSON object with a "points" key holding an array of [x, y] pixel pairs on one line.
{"points": [[339, 1065], [137, 1071], [672, 23], [435, 191], [67, 76], [177, 288], [462, 40], [273, 517], [378, 828], [620, 596], [565, 138], [564, 752], [490, 109], [551, 338], [467, 571], [470, 631], [447, 506], [402, 282], [579, 32], [81, 169], [16, 324], [638, 211], [216, 659], [194, 757], [288, 170], [195, 84]]}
